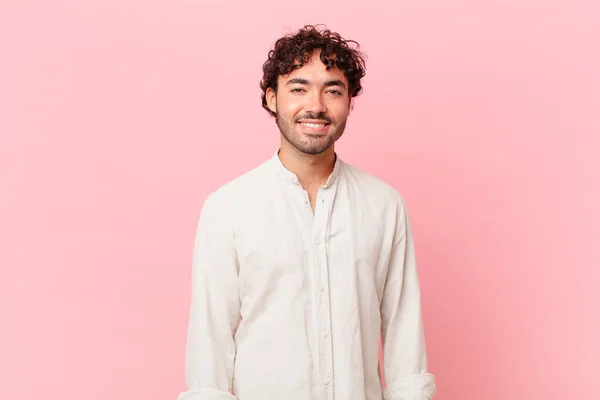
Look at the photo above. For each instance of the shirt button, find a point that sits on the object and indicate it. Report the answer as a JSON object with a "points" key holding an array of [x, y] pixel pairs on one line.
{"points": [[317, 241], [322, 288], [326, 382], [325, 335]]}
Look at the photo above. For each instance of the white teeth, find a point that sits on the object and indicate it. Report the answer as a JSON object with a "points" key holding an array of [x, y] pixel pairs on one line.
{"points": [[312, 125]]}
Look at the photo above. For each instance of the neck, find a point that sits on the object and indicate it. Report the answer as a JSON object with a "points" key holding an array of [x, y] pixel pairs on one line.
{"points": [[311, 169]]}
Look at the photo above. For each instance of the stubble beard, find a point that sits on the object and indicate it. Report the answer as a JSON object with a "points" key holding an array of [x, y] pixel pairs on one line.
{"points": [[306, 144]]}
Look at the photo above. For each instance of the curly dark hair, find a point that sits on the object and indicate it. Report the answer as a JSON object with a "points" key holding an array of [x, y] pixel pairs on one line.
{"points": [[293, 51]]}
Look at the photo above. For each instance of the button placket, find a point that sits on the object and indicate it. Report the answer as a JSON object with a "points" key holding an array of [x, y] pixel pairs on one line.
{"points": [[320, 224]]}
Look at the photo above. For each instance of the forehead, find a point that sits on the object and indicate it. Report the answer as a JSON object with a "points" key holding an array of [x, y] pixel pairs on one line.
{"points": [[315, 71]]}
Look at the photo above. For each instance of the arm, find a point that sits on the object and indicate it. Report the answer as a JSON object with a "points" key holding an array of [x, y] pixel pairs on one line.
{"points": [[404, 353], [215, 309]]}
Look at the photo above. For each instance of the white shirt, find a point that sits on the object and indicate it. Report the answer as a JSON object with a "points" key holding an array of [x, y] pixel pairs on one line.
{"points": [[314, 292]]}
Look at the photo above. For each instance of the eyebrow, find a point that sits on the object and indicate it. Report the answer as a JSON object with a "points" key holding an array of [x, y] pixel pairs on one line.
{"points": [[302, 81]]}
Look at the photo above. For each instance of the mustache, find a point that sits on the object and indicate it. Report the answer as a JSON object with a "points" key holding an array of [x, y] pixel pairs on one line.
{"points": [[320, 116]]}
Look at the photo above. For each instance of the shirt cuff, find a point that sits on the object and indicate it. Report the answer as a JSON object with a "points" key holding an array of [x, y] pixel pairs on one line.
{"points": [[206, 394], [411, 387]]}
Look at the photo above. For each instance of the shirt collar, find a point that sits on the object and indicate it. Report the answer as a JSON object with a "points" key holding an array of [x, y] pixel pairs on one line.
{"points": [[290, 177]]}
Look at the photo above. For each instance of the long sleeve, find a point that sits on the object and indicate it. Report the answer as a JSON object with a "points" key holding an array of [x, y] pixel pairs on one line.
{"points": [[404, 352], [215, 308]]}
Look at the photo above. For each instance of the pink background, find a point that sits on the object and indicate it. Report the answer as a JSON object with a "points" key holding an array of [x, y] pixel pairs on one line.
{"points": [[118, 117]]}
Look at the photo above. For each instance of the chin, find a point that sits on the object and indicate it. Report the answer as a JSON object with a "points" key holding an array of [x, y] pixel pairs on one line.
{"points": [[314, 149]]}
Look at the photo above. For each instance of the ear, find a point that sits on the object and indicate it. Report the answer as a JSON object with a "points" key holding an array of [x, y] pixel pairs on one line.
{"points": [[271, 98]]}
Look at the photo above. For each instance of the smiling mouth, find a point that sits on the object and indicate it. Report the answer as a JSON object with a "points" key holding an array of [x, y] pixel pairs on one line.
{"points": [[314, 125]]}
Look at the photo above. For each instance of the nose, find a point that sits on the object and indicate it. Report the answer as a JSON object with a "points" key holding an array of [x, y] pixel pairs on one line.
{"points": [[315, 104]]}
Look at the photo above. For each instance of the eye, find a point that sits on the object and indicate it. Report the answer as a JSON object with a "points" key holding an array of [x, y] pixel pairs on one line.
{"points": [[335, 92], [296, 90]]}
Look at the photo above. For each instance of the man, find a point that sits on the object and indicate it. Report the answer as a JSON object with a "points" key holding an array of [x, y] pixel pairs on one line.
{"points": [[314, 256]]}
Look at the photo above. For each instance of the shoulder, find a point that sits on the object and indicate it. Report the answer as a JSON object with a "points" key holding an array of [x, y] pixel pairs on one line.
{"points": [[239, 190], [373, 188]]}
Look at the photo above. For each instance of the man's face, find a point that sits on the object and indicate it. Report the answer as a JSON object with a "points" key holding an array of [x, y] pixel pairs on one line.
{"points": [[311, 106]]}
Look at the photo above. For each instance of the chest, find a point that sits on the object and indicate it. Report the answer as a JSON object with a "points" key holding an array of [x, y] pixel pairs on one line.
{"points": [[289, 243]]}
